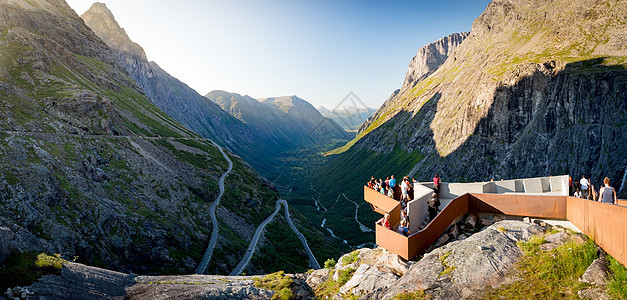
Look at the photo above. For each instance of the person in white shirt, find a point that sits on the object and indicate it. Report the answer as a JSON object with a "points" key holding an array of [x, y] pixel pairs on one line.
{"points": [[585, 184]]}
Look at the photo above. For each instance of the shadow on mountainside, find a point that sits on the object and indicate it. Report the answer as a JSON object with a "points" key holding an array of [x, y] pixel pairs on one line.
{"points": [[549, 122]]}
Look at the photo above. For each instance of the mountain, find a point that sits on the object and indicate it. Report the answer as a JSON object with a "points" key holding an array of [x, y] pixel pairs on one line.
{"points": [[287, 121], [525, 94], [350, 118], [175, 97], [93, 170], [430, 57]]}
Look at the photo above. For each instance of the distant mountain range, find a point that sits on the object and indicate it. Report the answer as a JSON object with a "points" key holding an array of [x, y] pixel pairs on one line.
{"points": [[258, 133], [349, 118]]}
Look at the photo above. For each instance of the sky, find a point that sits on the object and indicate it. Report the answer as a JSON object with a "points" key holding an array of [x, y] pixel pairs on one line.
{"points": [[319, 50]]}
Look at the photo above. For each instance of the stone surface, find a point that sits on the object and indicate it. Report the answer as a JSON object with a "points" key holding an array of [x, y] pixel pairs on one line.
{"points": [[317, 277], [558, 238], [366, 280], [480, 260], [597, 273], [593, 294]]}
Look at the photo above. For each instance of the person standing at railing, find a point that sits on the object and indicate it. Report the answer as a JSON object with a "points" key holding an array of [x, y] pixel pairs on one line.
{"points": [[608, 193], [585, 186], [386, 221], [436, 183]]}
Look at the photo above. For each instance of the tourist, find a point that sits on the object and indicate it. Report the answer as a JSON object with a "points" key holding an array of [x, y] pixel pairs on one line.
{"points": [[404, 189], [570, 186], [385, 222], [578, 193], [390, 192], [585, 184], [434, 203], [392, 181], [436, 183], [404, 216], [371, 182], [607, 194], [402, 229]]}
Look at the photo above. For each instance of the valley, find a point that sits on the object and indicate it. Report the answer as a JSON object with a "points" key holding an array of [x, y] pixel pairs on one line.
{"points": [[117, 179]]}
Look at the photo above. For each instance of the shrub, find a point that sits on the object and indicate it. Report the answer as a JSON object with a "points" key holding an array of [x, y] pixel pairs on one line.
{"points": [[351, 258], [278, 282], [330, 263]]}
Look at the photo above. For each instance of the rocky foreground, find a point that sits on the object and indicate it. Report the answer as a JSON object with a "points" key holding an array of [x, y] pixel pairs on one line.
{"points": [[461, 268]]}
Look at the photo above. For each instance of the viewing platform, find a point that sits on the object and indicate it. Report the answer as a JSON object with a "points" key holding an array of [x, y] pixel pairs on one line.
{"points": [[544, 198]]}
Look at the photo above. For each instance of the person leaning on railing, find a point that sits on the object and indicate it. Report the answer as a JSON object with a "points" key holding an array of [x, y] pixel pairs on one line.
{"points": [[385, 222], [606, 193]]}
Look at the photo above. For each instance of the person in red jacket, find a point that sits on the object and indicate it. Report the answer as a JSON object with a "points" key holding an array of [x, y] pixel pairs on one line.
{"points": [[436, 183]]}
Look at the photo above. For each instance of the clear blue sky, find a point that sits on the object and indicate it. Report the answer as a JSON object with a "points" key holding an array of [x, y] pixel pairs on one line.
{"points": [[318, 50]]}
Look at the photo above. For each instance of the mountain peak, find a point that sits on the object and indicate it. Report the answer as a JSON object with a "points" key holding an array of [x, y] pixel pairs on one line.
{"points": [[101, 20]]}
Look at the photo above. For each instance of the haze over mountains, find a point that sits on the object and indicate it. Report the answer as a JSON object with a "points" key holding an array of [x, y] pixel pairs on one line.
{"points": [[107, 157], [259, 134]]}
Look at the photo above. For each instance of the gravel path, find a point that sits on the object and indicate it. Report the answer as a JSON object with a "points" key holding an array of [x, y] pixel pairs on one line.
{"points": [[214, 221]]}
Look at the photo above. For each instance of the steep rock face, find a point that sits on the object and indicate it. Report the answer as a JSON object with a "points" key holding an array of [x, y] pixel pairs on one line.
{"points": [[89, 166], [526, 94], [430, 57], [172, 96]]}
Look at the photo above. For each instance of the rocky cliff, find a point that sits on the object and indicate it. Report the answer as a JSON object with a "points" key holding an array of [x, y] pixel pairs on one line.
{"points": [[91, 168], [526, 94], [430, 57], [176, 98]]}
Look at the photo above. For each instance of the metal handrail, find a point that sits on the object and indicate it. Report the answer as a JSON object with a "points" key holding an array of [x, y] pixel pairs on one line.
{"points": [[605, 223]]}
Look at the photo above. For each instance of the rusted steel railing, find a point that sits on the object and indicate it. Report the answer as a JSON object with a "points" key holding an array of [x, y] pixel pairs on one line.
{"points": [[606, 224]]}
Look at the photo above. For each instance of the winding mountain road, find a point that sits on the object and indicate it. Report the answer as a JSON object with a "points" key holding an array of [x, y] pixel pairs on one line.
{"points": [[214, 221], [313, 263]]}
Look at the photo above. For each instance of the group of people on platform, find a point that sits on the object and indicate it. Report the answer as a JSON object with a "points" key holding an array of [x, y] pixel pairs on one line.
{"points": [[387, 188], [585, 189]]}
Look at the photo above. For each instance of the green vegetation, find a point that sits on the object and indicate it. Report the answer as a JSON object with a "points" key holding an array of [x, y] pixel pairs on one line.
{"points": [[330, 287], [278, 282], [547, 274], [285, 252], [329, 263], [22, 269], [617, 287], [447, 269], [351, 258], [416, 295]]}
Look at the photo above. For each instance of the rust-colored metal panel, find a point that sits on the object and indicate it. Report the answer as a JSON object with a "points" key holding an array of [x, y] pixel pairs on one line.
{"points": [[421, 240], [605, 223], [622, 202], [392, 241], [382, 202], [521, 205]]}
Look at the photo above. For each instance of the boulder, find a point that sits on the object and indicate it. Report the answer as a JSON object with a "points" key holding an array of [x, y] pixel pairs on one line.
{"points": [[367, 280], [441, 241], [558, 238], [317, 277], [471, 221], [597, 272], [392, 263], [593, 294], [454, 231], [460, 268]]}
